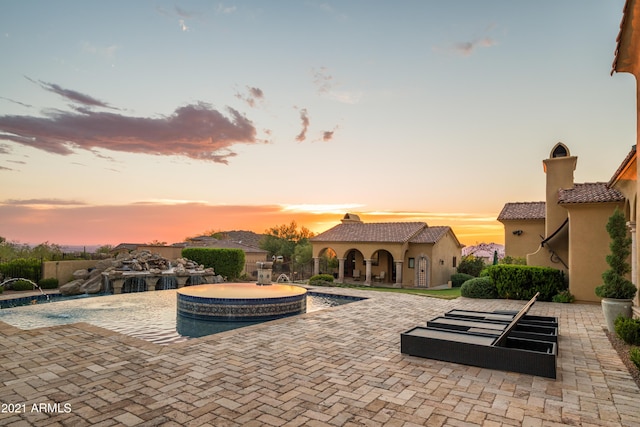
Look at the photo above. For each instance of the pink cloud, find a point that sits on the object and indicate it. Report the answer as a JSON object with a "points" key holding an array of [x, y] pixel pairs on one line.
{"points": [[304, 118], [254, 96], [196, 131]]}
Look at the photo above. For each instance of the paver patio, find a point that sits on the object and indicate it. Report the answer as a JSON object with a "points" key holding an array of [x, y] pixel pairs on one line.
{"points": [[337, 367]]}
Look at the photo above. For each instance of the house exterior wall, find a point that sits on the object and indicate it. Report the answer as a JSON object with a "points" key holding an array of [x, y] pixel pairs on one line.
{"points": [[444, 250], [438, 274], [628, 61], [521, 244], [589, 242], [410, 275]]}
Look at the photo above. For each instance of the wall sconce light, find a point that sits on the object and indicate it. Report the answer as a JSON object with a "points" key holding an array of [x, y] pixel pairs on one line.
{"points": [[517, 232], [441, 262]]}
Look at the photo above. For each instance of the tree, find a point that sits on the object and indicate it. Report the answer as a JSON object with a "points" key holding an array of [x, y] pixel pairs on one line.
{"points": [[47, 251], [303, 254], [104, 250], [282, 240], [157, 242], [471, 265], [616, 285]]}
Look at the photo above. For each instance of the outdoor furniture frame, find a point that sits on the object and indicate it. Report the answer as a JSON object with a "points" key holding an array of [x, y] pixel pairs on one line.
{"points": [[488, 340]]}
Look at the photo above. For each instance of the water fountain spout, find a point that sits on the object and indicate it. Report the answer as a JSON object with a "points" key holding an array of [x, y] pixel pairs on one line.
{"points": [[35, 285]]}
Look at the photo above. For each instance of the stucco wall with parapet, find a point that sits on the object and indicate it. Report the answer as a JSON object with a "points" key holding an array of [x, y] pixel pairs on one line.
{"points": [[526, 239], [589, 242]]}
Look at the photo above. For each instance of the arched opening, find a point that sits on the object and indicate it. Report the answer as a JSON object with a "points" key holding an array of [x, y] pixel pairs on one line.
{"points": [[382, 267], [329, 262], [354, 265]]}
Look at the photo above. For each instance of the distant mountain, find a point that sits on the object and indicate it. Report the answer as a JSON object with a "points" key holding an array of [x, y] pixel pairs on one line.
{"points": [[484, 250]]}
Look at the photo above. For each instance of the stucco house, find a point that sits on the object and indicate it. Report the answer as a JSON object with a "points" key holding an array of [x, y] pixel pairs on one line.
{"points": [[401, 254], [627, 60], [568, 230]]}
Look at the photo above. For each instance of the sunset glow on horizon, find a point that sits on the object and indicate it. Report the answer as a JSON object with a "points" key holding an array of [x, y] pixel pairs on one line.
{"points": [[173, 223], [156, 121]]}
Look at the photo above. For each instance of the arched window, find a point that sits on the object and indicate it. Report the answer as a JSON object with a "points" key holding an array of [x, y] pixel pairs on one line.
{"points": [[560, 150]]}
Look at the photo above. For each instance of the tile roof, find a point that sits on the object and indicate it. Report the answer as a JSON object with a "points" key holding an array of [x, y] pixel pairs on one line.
{"points": [[522, 210], [430, 234], [622, 66], [626, 163], [590, 192], [389, 232]]}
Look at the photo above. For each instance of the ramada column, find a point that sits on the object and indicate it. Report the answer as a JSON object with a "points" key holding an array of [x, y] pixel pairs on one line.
{"points": [[367, 279], [340, 270], [316, 266], [399, 273]]}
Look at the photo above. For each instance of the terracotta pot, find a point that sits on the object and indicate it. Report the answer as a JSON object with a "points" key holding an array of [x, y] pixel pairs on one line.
{"points": [[613, 308]]}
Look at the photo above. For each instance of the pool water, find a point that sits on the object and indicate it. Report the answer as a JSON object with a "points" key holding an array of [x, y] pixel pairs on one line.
{"points": [[151, 316]]}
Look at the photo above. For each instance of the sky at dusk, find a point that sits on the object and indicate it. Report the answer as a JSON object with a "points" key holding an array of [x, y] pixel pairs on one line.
{"points": [[138, 121]]}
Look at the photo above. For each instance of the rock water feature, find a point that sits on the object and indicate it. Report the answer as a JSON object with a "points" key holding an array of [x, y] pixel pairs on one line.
{"points": [[138, 271], [242, 302]]}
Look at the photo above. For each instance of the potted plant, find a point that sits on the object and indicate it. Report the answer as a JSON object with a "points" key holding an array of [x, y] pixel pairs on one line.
{"points": [[617, 292]]}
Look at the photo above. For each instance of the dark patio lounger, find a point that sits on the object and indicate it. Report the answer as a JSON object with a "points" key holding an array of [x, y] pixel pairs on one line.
{"points": [[483, 344], [520, 330]]}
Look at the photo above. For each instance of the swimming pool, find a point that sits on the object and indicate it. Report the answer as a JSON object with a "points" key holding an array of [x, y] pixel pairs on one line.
{"points": [[151, 316]]}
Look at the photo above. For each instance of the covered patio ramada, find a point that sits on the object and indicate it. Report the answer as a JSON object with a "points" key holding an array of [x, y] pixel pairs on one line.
{"points": [[399, 254]]}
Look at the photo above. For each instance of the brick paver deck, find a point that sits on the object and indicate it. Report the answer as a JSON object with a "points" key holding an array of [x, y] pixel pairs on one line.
{"points": [[337, 367]]}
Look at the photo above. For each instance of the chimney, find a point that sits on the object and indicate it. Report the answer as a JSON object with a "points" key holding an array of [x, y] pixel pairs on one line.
{"points": [[559, 168]]}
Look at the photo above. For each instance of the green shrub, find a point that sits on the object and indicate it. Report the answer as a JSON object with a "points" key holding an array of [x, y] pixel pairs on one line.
{"points": [[50, 283], [479, 287], [522, 281], [457, 279], [1, 289], [471, 265], [228, 263], [321, 280], [563, 297], [634, 355], [27, 268], [628, 330], [21, 285]]}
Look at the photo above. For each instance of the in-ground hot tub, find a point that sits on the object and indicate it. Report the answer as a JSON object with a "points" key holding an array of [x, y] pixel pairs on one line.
{"points": [[241, 301]]}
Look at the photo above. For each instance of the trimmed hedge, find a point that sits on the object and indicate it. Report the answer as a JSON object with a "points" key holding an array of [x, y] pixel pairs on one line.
{"points": [[479, 287], [628, 330], [321, 280], [634, 355], [50, 283], [522, 282], [457, 279], [225, 262], [21, 285]]}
